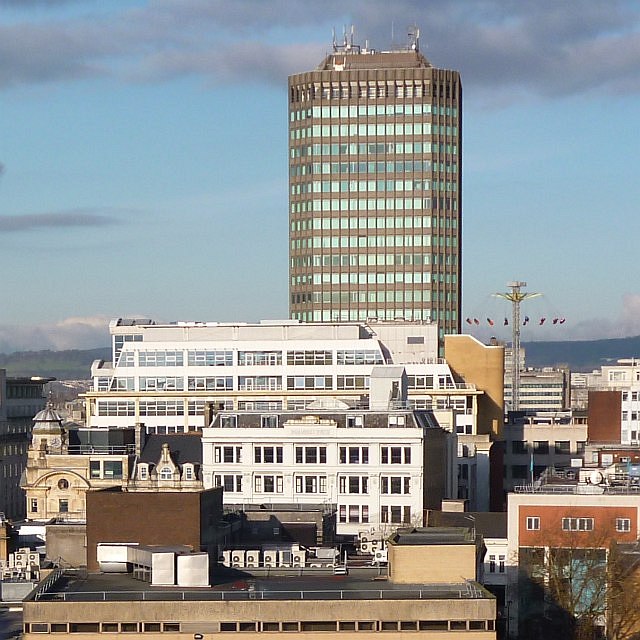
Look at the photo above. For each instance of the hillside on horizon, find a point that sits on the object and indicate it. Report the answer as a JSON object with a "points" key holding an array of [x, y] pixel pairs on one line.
{"points": [[578, 355], [581, 355], [70, 364]]}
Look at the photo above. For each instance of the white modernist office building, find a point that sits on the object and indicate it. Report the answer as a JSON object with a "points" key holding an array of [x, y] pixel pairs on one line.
{"points": [[163, 376]]}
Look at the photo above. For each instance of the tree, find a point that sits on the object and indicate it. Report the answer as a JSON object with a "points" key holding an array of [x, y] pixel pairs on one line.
{"points": [[580, 587]]}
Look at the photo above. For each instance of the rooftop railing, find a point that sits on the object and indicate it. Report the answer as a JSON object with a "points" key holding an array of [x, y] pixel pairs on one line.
{"points": [[87, 449], [459, 591]]}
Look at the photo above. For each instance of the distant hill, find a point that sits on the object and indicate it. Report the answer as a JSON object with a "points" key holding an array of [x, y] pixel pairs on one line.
{"points": [[72, 364], [579, 355]]}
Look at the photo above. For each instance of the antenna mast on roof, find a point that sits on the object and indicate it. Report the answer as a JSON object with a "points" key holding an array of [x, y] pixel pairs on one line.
{"points": [[414, 38]]}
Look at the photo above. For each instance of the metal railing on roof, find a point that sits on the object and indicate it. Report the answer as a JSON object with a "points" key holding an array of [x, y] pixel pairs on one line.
{"points": [[87, 449], [457, 591]]}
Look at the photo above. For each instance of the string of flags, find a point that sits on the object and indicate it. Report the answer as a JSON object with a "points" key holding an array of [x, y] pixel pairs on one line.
{"points": [[525, 322]]}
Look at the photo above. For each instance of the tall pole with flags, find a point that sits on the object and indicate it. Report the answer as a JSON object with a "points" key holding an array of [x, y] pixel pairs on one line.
{"points": [[516, 296]]}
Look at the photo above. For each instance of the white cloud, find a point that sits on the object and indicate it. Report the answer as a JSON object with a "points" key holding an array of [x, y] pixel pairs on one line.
{"points": [[545, 48], [70, 333]]}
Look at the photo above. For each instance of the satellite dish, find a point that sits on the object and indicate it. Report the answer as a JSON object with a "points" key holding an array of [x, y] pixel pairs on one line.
{"points": [[595, 477]]}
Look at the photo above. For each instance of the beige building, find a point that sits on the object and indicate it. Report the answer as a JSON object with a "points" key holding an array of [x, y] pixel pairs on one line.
{"points": [[63, 464], [58, 474], [375, 188], [435, 599]]}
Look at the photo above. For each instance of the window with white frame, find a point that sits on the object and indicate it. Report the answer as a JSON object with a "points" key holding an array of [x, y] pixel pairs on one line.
{"points": [[623, 524], [533, 523], [353, 513], [268, 484], [396, 514], [269, 422], [311, 455], [311, 484], [228, 422], [577, 524], [230, 483], [166, 473], [353, 455], [397, 421], [353, 484], [143, 472], [268, 455], [395, 455], [188, 472], [227, 454], [214, 383], [355, 422], [395, 485]]}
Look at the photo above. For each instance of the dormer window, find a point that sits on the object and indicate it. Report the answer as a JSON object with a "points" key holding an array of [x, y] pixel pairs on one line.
{"points": [[143, 472], [188, 472], [166, 473]]}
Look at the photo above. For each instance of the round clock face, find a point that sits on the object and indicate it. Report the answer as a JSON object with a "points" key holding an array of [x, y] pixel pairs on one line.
{"points": [[55, 441]]}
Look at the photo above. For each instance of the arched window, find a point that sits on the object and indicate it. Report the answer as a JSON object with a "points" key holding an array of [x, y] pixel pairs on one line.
{"points": [[166, 473]]}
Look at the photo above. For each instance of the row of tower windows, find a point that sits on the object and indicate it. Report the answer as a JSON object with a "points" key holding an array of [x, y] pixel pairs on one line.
{"points": [[372, 90], [374, 204], [448, 317], [353, 186], [346, 297], [399, 166], [370, 241], [365, 148], [380, 129], [373, 110], [378, 259], [377, 222]]}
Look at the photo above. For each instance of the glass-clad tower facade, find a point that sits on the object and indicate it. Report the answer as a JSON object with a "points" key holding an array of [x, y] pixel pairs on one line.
{"points": [[375, 189]]}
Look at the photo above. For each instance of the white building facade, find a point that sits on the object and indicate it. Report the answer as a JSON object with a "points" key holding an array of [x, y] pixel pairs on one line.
{"points": [[375, 470], [162, 375]]}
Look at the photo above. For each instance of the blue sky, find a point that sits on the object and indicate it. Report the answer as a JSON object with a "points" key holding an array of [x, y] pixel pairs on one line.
{"points": [[143, 156]]}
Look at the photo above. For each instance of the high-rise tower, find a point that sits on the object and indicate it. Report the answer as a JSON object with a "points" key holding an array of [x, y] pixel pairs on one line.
{"points": [[375, 177]]}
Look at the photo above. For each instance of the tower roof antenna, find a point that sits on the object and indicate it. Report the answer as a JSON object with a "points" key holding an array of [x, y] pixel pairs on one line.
{"points": [[414, 37]]}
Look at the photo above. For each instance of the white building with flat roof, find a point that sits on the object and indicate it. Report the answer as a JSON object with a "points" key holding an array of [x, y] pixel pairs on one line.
{"points": [[163, 374], [375, 470]]}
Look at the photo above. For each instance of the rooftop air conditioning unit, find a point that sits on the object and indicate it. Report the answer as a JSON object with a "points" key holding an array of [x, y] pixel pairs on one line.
{"points": [[253, 558], [270, 558], [365, 547], [299, 558], [380, 556], [237, 558]]}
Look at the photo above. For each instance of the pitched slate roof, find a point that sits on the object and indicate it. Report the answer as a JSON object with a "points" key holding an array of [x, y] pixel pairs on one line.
{"points": [[183, 447]]}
